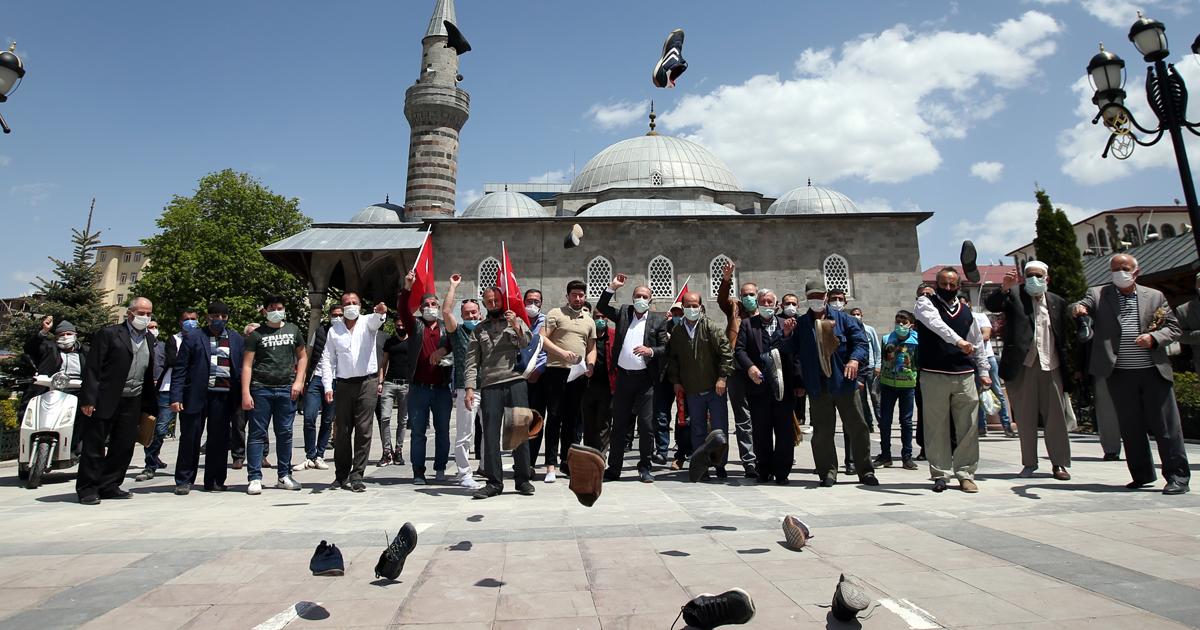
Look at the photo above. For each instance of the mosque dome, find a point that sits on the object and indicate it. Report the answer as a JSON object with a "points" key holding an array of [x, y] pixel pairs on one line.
{"points": [[379, 213], [657, 208], [813, 200], [504, 205], [652, 161]]}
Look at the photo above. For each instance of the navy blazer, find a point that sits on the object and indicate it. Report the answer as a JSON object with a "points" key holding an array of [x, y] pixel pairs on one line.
{"points": [[750, 349], [189, 376], [852, 347]]}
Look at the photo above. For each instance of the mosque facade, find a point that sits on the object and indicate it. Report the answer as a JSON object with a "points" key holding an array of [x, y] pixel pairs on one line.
{"points": [[663, 210]]}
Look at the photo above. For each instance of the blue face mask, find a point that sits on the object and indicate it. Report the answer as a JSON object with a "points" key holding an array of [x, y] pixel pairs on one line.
{"points": [[902, 330], [470, 324], [1035, 286], [217, 325], [601, 325], [750, 302], [190, 324]]}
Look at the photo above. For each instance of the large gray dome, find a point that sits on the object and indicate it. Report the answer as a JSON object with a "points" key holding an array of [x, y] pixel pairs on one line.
{"points": [[652, 161], [378, 213], [657, 208], [813, 200], [504, 205]]}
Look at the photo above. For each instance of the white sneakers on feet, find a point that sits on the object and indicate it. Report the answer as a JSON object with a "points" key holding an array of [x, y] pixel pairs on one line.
{"points": [[469, 483], [255, 487], [319, 464], [287, 483], [304, 465], [550, 477]]}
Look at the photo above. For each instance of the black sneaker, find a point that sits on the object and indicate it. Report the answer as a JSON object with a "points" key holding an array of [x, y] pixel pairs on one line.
{"points": [[671, 64], [327, 560], [357, 486], [882, 460], [524, 488], [391, 561], [661, 460], [487, 491], [705, 611], [385, 459], [868, 479], [910, 464], [939, 485]]}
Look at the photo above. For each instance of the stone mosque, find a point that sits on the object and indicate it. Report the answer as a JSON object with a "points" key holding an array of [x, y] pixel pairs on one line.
{"points": [[660, 209]]}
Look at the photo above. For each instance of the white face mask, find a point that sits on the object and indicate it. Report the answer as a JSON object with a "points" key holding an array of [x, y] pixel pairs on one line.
{"points": [[351, 312], [276, 317], [641, 305], [68, 341], [1035, 286], [140, 322], [153, 332], [1123, 279], [692, 314], [429, 313], [532, 310], [789, 310], [816, 306], [836, 305]]}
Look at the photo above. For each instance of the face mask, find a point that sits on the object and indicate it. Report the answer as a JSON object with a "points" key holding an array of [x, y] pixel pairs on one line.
{"points": [[1035, 285], [749, 302], [601, 325], [153, 332], [335, 319], [816, 306], [949, 296], [470, 324], [276, 317], [140, 322], [190, 324], [352, 312], [692, 314], [836, 305], [217, 325], [789, 310], [532, 310], [641, 305], [677, 319], [429, 313], [766, 312], [1123, 279], [902, 330], [67, 342]]}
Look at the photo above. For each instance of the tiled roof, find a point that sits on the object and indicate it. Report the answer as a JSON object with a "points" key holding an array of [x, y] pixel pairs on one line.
{"points": [[1168, 254]]}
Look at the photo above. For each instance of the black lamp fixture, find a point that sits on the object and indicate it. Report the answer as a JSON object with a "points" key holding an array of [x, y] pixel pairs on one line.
{"points": [[1166, 93], [12, 70]]}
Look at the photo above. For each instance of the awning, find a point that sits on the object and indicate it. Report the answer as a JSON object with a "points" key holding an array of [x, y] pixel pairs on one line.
{"points": [[295, 252]]}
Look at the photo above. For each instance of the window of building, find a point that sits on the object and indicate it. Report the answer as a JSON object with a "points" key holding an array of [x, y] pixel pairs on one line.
{"points": [[599, 274], [1150, 229], [1131, 235], [1091, 241], [716, 270], [488, 271], [133, 277], [137, 256], [124, 278], [128, 256], [656, 179], [1104, 239], [661, 273], [120, 299], [837, 273], [101, 256], [1168, 230]]}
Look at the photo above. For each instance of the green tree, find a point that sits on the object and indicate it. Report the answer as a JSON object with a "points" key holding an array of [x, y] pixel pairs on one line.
{"points": [[1055, 245], [207, 250]]}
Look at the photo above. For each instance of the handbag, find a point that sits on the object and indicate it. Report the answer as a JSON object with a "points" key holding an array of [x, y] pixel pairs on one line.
{"points": [[146, 429]]}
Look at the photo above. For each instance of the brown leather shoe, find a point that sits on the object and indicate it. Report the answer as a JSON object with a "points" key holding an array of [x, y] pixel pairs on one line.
{"points": [[237, 464], [1061, 474], [968, 486]]}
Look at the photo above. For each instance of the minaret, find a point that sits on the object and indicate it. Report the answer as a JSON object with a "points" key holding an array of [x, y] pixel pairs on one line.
{"points": [[436, 110]]}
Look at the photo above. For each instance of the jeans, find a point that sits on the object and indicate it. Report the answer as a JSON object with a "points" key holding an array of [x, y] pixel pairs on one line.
{"points": [[270, 403], [869, 397], [165, 416], [705, 408], [316, 442], [1005, 421], [907, 399], [395, 396], [664, 395], [424, 400], [744, 429]]}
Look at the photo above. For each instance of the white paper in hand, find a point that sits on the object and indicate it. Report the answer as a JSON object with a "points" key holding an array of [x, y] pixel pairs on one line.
{"points": [[577, 370]]}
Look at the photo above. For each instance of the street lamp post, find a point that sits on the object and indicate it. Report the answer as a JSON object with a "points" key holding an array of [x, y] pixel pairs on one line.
{"points": [[1167, 94], [12, 70]]}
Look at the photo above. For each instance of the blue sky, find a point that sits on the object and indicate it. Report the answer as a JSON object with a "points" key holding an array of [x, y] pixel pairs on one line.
{"points": [[951, 107]]}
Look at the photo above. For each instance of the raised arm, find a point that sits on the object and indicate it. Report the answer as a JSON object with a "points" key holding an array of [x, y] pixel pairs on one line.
{"points": [[724, 300], [448, 305], [406, 315]]}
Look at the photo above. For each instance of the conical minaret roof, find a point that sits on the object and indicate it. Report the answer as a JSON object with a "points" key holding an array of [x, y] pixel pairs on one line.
{"points": [[443, 11]]}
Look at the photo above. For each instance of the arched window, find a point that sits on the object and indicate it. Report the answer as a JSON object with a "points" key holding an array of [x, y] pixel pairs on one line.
{"points": [[837, 273], [1131, 235], [599, 274], [661, 274], [1103, 239], [716, 270], [1150, 229], [488, 270], [1091, 241], [1168, 230]]}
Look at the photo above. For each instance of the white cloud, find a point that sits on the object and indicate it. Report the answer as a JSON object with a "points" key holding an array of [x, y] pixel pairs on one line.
{"points": [[5, 161], [32, 194], [1081, 145], [26, 277], [988, 171], [1115, 12], [616, 115], [466, 197], [871, 110], [1009, 225], [555, 176]]}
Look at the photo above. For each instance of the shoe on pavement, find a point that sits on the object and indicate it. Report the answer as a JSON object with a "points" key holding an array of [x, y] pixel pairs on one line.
{"points": [[267, 463], [851, 469], [733, 607], [661, 460], [1061, 474], [849, 599], [116, 493], [255, 487], [588, 480], [828, 481], [303, 465], [439, 476], [750, 471], [238, 463], [722, 474], [182, 489], [216, 487], [883, 461], [671, 64], [968, 486], [357, 486], [487, 491], [868, 479], [391, 561], [145, 475], [910, 464], [419, 480], [1027, 472], [384, 460], [1135, 485], [1176, 487], [525, 489], [676, 464], [550, 477], [1009, 433], [287, 483], [920, 456], [327, 560], [319, 464], [939, 485], [644, 476], [469, 483], [795, 532], [1112, 457], [90, 499]]}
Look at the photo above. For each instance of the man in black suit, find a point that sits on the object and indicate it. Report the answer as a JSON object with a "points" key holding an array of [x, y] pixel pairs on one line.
{"points": [[118, 386], [639, 350], [1034, 363], [769, 389]]}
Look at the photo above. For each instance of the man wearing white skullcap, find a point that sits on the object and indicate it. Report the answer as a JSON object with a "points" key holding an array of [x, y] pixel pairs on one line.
{"points": [[1034, 363]]}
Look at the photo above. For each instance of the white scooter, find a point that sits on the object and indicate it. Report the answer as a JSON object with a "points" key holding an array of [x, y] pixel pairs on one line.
{"points": [[47, 428]]}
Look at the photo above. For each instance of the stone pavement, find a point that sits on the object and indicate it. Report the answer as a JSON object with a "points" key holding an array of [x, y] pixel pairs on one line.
{"points": [[1032, 554]]}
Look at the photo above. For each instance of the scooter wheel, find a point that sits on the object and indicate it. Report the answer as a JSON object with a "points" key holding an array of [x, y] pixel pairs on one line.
{"points": [[37, 466]]}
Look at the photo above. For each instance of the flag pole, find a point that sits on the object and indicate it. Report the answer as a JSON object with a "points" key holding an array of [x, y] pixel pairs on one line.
{"points": [[503, 274]]}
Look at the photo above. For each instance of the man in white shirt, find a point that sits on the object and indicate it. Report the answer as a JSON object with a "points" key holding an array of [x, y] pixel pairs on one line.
{"points": [[985, 329], [351, 354]]}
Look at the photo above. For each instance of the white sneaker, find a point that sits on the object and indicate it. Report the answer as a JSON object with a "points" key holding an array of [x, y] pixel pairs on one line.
{"points": [[550, 477], [287, 483], [319, 464], [470, 483], [303, 465], [255, 487]]}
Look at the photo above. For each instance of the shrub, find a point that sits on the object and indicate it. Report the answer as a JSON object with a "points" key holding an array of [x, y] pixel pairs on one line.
{"points": [[8, 414], [1187, 390]]}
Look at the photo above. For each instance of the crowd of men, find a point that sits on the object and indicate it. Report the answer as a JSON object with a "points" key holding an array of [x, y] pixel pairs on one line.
{"points": [[602, 373]]}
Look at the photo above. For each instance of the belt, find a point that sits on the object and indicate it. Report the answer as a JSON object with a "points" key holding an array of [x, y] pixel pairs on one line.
{"points": [[396, 381], [428, 386], [354, 379]]}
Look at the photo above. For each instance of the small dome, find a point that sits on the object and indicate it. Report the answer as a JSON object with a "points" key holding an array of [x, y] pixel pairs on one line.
{"points": [[657, 208], [813, 200], [654, 161], [379, 213], [504, 205]]}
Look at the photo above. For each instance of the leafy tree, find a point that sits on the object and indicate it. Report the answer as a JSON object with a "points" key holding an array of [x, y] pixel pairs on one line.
{"points": [[1114, 235], [208, 250], [1056, 246]]}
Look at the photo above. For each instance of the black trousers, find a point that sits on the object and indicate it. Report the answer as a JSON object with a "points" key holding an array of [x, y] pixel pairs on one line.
{"points": [[774, 434], [218, 415], [597, 413], [1145, 404], [563, 406], [354, 415], [633, 401], [493, 400], [537, 402], [101, 470]]}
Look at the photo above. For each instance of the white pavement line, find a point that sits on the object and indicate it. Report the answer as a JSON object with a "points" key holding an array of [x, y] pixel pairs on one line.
{"points": [[915, 617], [287, 616]]}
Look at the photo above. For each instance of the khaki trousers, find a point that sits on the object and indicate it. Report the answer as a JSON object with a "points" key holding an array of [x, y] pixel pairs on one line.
{"points": [[1035, 392], [950, 398]]}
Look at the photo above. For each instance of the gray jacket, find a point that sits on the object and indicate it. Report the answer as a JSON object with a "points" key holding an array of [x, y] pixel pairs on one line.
{"points": [[493, 352], [1104, 306], [1189, 320]]}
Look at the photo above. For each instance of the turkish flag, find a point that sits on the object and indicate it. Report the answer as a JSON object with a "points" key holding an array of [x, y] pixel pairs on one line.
{"points": [[684, 290], [423, 272], [507, 281]]}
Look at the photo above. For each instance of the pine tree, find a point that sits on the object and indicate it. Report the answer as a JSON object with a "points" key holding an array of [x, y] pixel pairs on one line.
{"points": [[1056, 246], [74, 293]]}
